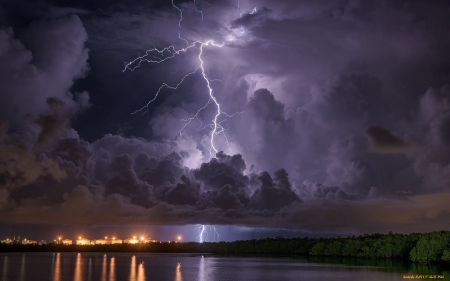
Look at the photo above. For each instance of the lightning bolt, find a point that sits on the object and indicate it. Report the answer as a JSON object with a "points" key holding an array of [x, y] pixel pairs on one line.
{"points": [[202, 231], [181, 13], [158, 56], [195, 7], [205, 230], [243, 14]]}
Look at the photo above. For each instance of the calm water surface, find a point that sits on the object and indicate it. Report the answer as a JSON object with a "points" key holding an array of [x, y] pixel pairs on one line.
{"points": [[140, 267]]}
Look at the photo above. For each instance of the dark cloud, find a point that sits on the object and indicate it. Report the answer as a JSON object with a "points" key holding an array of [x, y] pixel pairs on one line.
{"points": [[126, 183], [41, 62], [184, 193], [250, 19], [168, 169], [20, 166], [53, 125], [221, 171], [225, 171], [75, 174], [273, 193], [87, 200], [371, 216], [383, 141], [314, 190], [76, 151], [226, 199]]}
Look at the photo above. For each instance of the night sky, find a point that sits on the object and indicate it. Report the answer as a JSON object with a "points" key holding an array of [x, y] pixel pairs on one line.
{"points": [[343, 123]]}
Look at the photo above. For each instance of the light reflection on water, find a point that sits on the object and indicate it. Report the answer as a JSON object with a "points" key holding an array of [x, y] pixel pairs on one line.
{"points": [[201, 269], [57, 268], [133, 269], [205, 269], [5, 269], [178, 276], [141, 273], [112, 270], [143, 267], [140, 270], [104, 267], [78, 269], [22, 269], [90, 270]]}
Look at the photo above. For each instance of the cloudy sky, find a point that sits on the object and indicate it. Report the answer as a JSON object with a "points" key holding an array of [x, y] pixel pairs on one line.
{"points": [[342, 121]]}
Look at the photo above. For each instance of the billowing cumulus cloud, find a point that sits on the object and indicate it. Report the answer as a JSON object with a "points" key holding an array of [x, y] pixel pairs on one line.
{"points": [[343, 120], [273, 193], [52, 126], [41, 62]]}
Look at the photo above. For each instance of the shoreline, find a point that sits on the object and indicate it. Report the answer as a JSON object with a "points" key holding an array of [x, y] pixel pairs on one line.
{"points": [[413, 247]]}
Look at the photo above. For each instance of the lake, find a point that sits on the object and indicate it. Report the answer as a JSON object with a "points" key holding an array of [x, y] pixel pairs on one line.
{"points": [[177, 267]]}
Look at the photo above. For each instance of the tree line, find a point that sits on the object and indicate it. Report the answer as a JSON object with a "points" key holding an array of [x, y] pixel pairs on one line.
{"points": [[417, 247]]}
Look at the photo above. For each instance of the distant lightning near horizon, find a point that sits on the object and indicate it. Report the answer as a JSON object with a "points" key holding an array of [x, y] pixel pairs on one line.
{"points": [[157, 56], [205, 230]]}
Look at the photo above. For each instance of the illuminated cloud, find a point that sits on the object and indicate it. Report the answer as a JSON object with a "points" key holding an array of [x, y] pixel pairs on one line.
{"points": [[311, 78]]}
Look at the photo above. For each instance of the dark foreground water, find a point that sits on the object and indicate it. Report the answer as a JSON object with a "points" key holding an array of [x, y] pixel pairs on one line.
{"points": [[139, 267]]}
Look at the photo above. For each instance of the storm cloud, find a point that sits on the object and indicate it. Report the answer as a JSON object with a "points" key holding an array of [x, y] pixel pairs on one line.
{"points": [[342, 117]]}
